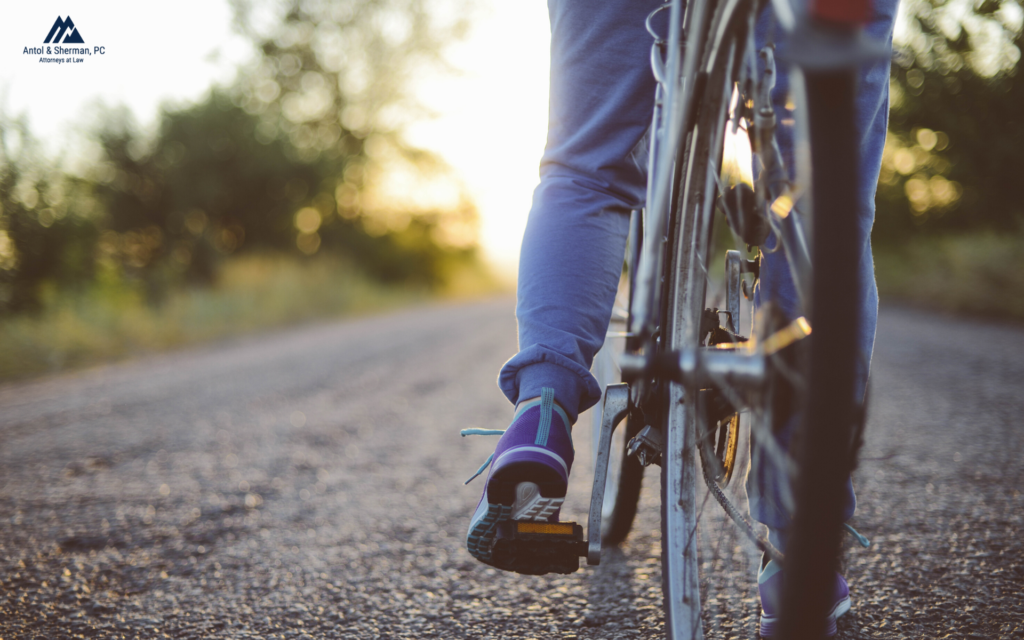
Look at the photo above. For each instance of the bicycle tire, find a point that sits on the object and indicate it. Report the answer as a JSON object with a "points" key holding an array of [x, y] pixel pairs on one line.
{"points": [[689, 236], [825, 448], [824, 455]]}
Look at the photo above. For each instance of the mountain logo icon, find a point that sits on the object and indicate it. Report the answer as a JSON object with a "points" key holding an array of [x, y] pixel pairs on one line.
{"points": [[58, 29]]}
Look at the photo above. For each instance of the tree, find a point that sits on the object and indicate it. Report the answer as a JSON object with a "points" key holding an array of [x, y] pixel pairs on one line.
{"points": [[210, 184], [299, 155], [203, 188], [953, 154], [46, 230], [334, 79]]}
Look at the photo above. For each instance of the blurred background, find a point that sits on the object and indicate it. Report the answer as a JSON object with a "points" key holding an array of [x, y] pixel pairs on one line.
{"points": [[242, 164]]}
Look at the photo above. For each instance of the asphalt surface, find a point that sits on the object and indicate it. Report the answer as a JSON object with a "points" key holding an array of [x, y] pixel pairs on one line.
{"points": [[308, 484]]}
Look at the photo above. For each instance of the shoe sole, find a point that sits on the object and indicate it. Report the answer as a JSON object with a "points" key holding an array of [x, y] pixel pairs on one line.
{"points": [[482, 530], [531, 505], [768, 623], [481, 533], [516, 467]]}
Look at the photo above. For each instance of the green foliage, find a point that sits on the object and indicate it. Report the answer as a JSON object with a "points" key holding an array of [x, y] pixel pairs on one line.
{"points": [[204, 188], [333, 79], [954, 151], [45, 230], [110, 319], [332, 75], [974, 273], [294, 158]]}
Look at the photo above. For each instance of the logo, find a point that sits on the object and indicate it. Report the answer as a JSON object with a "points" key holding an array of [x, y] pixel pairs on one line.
{"points": [[59, 27], [64, 32]]}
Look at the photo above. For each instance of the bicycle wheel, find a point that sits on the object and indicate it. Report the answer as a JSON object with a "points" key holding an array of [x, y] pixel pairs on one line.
{"points": [[625, 474], [687, 265], [822, 454], [826, 442]]}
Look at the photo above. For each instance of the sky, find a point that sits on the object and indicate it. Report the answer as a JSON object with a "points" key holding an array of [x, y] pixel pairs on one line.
{"points": [[152, 53], [491, 116]]}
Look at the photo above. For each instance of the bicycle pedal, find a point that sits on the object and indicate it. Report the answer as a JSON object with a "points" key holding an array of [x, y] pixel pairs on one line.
{"points": [[536, 548]]}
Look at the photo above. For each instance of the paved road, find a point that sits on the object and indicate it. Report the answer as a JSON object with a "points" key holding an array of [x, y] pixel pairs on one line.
{"points": [[308, 484]]}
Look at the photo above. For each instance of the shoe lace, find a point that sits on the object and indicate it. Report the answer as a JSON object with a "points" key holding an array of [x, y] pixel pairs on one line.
{"points": [[864, 542], [481, 432]]}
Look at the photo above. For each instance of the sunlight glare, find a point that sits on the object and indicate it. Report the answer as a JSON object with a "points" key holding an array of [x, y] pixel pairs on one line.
{"points": [[737, 159], [492, 120]]}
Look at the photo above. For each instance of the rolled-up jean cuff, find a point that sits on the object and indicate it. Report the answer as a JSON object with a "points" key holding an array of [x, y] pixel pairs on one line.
{"points": [[571, 392]]}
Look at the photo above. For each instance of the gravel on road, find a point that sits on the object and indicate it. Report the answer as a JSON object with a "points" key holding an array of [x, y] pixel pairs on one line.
{"points": [[308, 484]]}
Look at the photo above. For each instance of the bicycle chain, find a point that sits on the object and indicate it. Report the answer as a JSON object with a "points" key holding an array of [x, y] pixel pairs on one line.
{"points": [[741, 521]]}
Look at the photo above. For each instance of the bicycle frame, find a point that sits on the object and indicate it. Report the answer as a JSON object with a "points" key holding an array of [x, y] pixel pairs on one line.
{"points": [[742, 367], [674, 105]]}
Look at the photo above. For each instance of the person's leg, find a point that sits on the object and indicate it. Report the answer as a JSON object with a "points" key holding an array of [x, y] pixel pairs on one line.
{"points": [[765, 480], [776, 284], [602, 99]]}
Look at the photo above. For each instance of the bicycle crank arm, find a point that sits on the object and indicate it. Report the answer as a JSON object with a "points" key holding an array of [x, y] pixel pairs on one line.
{"points": [[616, 405], [740, 370]]}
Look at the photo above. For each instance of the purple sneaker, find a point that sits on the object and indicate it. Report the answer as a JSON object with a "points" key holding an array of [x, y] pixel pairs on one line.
{"points": [[769, 586], [529, 472]]}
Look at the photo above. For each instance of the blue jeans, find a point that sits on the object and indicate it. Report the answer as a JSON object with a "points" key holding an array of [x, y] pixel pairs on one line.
{"points": [[593, 173]]}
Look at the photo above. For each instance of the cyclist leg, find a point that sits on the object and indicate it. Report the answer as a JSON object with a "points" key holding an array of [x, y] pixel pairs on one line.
{"points": [[592, 174], [776, 283], [765, 482]]}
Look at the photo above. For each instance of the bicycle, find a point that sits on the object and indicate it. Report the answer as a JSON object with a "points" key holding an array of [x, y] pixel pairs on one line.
{"points": [[687, 377]]}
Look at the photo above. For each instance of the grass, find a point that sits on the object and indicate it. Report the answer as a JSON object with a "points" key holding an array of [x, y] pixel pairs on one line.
{"points": [[112, 320], [973, 274], [976, 274]]}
